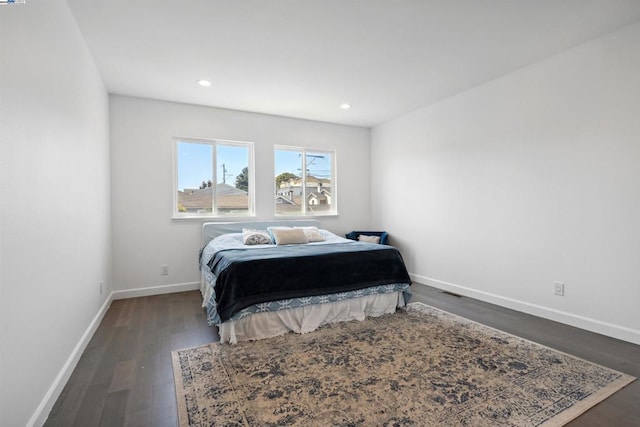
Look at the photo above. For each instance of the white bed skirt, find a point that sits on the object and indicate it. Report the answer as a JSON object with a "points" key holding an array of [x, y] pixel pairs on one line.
{"points": [[309, 318]]}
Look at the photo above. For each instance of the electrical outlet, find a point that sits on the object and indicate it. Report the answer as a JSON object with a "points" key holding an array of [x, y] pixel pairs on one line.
{"points": [[164, 270], [558, 288], [100, 288]]}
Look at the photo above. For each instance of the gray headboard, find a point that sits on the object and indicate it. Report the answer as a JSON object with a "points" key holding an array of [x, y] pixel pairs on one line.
{"points": [[211, 230]]}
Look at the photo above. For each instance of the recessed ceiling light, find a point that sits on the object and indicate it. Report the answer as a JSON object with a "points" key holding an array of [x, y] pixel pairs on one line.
{"points": [[205, 83], [345, 106]]}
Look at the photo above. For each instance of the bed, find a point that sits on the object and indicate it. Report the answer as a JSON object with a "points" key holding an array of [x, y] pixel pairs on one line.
{"points": [[261, 289]]}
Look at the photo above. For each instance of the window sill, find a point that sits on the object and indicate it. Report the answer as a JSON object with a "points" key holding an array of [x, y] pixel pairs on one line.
{"points": [[247, 217], [331, 215], [213, 218]]}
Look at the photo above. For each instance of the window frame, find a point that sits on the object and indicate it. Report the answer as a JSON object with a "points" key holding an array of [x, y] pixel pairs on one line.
{"points": [[334, 184], [213, 143]]}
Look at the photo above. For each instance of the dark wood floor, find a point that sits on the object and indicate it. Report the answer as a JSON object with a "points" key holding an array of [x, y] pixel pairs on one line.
{"points": [[125, 377]]}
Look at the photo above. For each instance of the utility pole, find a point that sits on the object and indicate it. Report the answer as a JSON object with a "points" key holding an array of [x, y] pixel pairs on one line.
{"points": [[224, 173]]}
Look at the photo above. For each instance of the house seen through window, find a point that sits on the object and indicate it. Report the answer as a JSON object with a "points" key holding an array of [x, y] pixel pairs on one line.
{"points": [[304, 181], [213, 178]]}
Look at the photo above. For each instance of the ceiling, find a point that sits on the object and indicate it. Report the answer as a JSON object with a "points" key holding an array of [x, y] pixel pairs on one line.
{"points": [[303, 58]]}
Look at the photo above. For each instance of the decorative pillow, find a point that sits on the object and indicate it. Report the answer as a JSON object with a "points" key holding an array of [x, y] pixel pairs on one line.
{"points": [[288, 236], [370, 239], [276, 227], [255, 237], [313, 234]]}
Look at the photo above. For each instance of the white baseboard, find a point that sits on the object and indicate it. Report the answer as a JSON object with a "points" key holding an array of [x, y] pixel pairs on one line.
{"points": [[44, 408], [156, 290], [593, 325]]}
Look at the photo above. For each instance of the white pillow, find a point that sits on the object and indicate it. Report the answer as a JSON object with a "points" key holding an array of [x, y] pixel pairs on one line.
{"points": [[255, 237], [313, 234], [370, 239], [288, 236]]}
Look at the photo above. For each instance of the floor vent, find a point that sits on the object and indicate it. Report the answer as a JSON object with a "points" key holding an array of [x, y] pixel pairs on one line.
{"points": [[452, 294]]}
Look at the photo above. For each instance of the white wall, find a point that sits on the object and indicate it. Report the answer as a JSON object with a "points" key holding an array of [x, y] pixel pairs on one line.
{"points": [[533, 178], [145, 237], [55, 209]]}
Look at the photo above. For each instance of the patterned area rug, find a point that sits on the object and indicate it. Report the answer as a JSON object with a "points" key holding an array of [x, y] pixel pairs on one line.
{"points": [[422, 367]]}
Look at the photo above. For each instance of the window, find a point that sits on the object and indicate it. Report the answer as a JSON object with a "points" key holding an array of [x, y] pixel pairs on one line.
{"points": [[304, 181], [213, 178]]}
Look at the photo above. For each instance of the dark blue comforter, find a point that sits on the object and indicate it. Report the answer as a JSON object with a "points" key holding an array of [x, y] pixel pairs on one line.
{"points": [[250, 276]]}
